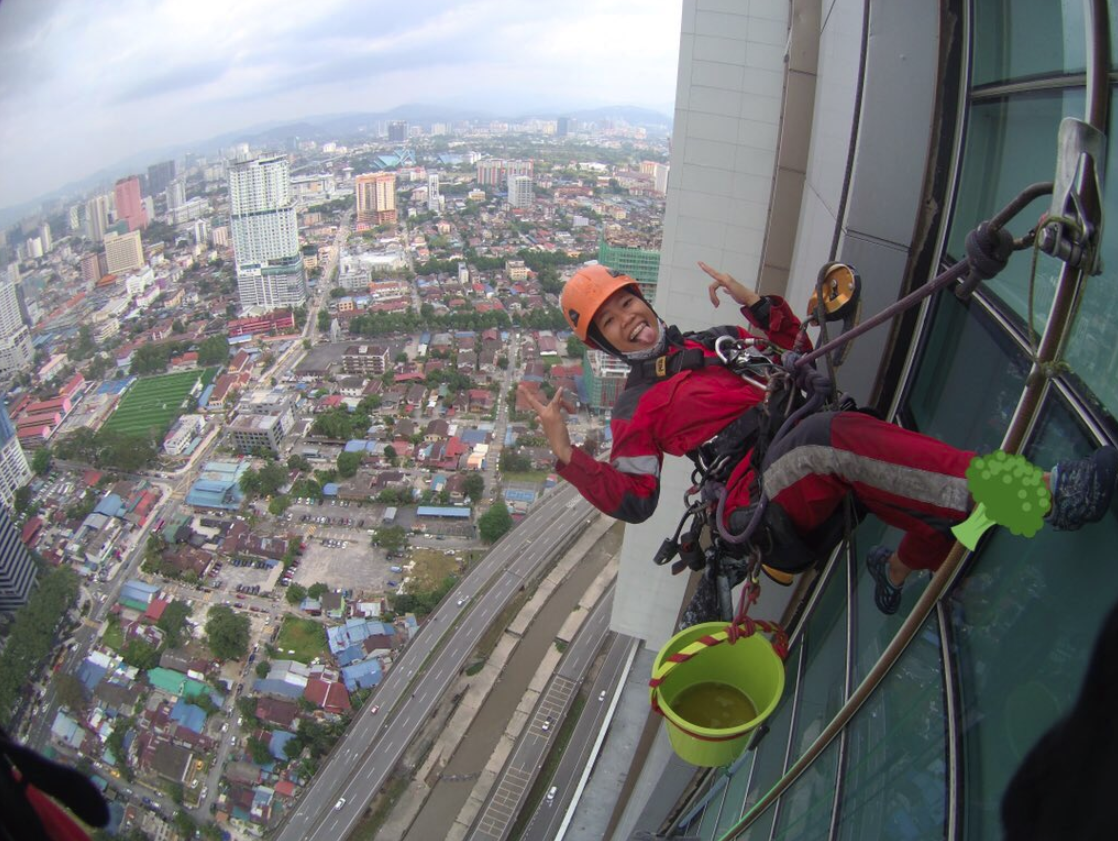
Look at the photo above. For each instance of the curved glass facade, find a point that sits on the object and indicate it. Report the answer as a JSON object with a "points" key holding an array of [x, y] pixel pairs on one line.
{"points": [[1000, 657]]}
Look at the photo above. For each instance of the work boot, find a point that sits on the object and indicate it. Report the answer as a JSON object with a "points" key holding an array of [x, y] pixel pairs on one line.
{"points": [[886, 594], [1082, 489]]}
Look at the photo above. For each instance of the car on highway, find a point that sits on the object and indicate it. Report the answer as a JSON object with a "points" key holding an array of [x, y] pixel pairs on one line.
{"points": [[551, 793], [462, 600], [374, 709], [546, 724], [339, 804]]}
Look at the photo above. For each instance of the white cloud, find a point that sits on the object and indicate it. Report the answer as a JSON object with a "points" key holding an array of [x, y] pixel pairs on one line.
{"points": [[84, 84]]}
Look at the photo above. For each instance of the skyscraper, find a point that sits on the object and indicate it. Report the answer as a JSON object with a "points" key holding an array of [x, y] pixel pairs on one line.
{"points": [[14, 472], [159, 176], [563, 126], [17, 569], [520, 191], [376, 198], [123, 253], [16, 352], [433, 202], [97, 217], [129, 203], [398, 131], [176, 194], [265, 235]]}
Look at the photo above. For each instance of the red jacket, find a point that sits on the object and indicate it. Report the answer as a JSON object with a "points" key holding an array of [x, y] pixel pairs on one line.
{"points": [[673, 416]]}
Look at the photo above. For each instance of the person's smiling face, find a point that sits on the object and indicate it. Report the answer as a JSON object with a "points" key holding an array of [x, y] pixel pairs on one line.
{"points": [[627, 322]]}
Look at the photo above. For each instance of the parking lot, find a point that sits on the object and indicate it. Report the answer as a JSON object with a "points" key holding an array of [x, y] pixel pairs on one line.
{"points": [[339, 549]]}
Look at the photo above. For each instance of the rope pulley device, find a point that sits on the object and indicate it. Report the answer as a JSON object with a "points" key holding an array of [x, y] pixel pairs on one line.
{"points": [[841, 288]]}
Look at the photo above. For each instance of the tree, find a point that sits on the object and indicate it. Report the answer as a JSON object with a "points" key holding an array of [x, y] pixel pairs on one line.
{"points": [[21, 502], [71, 692], [140, 654], [262, 669], [278, 505], [348, 464], [295, 593], [493, 524], [173, 621], [575, 347], [298, 462], [40, 462], [473, 486], [227, 633], [323, 320], [292, 748], [390, 454], [213, 350], [391, 538], [316, 590]]}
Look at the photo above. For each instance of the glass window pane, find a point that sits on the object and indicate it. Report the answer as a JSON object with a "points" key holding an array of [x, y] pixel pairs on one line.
{"points": [[1027, 38], [733, 792], [1092, 350], [769, 760], [824, 678], [872, 629], [969, 378], [1011, 143], [1025, 619], [895, 777], [806, 808]]}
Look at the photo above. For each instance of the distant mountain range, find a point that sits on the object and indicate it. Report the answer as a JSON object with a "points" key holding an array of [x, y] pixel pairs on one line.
{"points": [[340, 127]]}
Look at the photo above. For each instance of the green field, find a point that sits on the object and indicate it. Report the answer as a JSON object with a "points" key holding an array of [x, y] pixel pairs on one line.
{"points": [[301, 640], [155, 402]]}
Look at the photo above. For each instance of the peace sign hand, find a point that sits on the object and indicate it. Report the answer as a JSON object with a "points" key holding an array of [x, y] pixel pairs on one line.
{"points": [[550, 415]]}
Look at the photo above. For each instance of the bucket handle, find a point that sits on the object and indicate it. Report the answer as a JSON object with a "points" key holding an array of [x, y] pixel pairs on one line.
{"points": [[732, 632]]}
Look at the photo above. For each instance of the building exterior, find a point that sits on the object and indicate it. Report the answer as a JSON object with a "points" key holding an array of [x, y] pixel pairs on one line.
{"points": [[795, 146], [17, 568], [176, 195], [639, 263], [397, 131], [97, 217], [254, 432], [123, 253], [14, 470], [280, 321], [265, 233], [160, 175], [497, 172], [376, 198], [16, 351], [520, 191], [605, 379], [93, 267], [182, 434], [434, 200], [365, 359], [129, 203]]}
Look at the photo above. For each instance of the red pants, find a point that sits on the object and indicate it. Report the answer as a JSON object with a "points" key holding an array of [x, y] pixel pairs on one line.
{"points": [[908, 480]]}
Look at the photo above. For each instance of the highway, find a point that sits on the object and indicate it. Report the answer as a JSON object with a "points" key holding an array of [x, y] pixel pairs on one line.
{"points": [[526, 760], [363, 759]]}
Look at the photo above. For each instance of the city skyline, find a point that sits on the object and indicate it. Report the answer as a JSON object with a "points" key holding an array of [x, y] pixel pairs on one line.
{"points": [[180, 74]]}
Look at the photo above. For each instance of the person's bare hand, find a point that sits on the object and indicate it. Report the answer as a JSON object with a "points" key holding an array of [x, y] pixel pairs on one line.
{"points": [[722, 280], [550, 415]]}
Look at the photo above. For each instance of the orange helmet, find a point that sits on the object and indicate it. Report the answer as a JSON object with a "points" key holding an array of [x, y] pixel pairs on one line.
{"points": [[584, 294]]}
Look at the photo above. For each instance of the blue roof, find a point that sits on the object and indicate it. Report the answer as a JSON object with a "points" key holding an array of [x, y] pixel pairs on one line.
{"points": [[110, 505], [90, 674], [115, 386], [443, 511], [348, 656], [204, 398], [279, 739], [362, 675], [519, 495], [189, 716], [473, 436], [278, 687], [330, 489], [355, 446]]}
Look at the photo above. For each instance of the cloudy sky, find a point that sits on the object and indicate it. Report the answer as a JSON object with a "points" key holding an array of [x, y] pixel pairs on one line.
{"points": [[85, 83]]}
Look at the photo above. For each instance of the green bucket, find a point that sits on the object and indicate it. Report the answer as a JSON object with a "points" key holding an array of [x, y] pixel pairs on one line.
{"points": [[749, 665]]}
